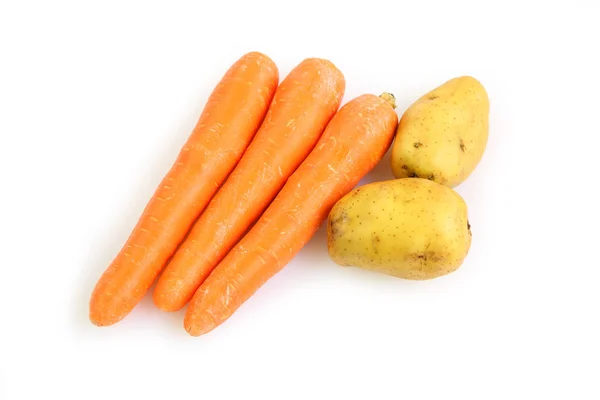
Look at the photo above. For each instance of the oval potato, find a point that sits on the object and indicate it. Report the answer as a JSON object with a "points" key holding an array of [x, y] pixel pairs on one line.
{"points": [[410, 228], [442, 136]]}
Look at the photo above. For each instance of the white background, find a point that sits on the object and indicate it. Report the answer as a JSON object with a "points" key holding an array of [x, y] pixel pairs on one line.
{"points": [[95, 101]]}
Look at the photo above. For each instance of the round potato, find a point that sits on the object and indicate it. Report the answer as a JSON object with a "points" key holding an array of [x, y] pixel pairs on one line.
{"points": [[410, 228]]}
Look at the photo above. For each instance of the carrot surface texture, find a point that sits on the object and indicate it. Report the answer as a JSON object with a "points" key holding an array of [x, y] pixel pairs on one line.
{"points": [[303, 105], [353, 143], [231, 117]]}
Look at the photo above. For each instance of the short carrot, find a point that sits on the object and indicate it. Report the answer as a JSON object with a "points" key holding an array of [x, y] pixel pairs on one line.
{"points": [[231, 117], [354, 141], [303, 105]]}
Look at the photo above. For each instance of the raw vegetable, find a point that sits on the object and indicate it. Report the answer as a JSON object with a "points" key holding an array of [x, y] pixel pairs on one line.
{"points": [[443, 135], [231, 117], [302, 106], [410, 228], [352, 144]]}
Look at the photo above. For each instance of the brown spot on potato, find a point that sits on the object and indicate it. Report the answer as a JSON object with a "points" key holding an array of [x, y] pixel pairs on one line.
{"points": [[432, 97], [335, 223], [462, 145], [333, 228], [416, 145], [375, 238], [409, 172], [425, 256], [343, 217]]}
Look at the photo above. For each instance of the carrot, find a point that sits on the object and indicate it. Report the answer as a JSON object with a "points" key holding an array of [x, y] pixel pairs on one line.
{"points": [[354, 141], [302, 106], [231, 117]]}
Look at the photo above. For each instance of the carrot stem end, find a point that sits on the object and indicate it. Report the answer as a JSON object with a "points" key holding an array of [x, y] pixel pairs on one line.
{"points": [[389, 98]]}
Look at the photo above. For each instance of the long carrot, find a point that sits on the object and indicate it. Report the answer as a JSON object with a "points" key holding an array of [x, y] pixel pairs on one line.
{"points": [[354, 141], [231, 117], [303, 104]]}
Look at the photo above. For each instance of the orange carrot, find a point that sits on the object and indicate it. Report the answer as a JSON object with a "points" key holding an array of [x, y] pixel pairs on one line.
{"points": [[231, 117], [352, 144], [302, 106]]}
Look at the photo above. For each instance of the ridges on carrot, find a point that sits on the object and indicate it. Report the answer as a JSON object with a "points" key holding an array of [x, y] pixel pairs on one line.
{"points": [[353, 143], [230, 118], [302, 106]]}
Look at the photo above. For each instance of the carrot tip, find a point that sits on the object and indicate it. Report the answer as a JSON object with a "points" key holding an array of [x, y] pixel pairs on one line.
{"points": [[166, 307], [198, 330], [198, 321], [165, 302], [99, 320], [389, 98], [102, 316]]}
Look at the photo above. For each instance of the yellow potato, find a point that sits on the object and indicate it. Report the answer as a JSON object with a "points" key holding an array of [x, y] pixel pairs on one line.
{"points": [[410, 228], [442, 136]]}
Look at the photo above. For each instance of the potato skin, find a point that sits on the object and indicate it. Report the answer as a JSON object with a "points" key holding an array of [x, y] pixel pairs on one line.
{"points": [[409, 228], [443, 135]]}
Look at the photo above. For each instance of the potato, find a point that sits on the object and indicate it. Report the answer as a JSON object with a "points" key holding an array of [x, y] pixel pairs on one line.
{"points": [[410, 228], [442, 136]]}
